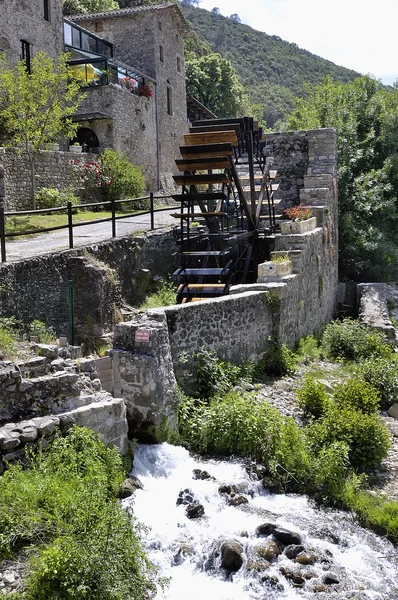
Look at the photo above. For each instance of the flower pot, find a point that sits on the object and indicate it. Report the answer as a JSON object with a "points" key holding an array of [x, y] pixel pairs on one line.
{"points": [[75, 149], [297, 227]]}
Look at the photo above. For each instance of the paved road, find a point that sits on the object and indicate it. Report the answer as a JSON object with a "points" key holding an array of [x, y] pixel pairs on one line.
{"points": [[37, 245]]}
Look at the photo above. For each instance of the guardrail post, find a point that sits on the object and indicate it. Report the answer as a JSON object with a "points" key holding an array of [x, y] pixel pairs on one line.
{"points": [[70, 225], [2, 233], [152, 211], [113, 209]]}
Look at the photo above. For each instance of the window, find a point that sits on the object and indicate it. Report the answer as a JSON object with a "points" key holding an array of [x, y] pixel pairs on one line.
{"points": [[46, 9], [169, 101], [160, 26], [161, 53], [26, 54], [178, 64]]}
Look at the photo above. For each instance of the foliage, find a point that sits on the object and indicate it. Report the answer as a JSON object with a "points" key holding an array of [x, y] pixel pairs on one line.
{"points": [[213, 81], [43, 332], [75, 7], [214, 376], [7, 338], [53, 197], [308, 349], [165, 295], [352, 340], [364, 114], [366, 435], [36, 107], [280, 258], [382, 374], [358, 395], [273, 71], [85, 545], [145, 91], [312, 397], [298, 213], [113, 174], [329, 470], [277, 360], [372, 510]]}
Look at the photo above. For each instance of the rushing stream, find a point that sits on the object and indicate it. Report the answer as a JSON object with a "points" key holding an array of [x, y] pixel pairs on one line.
{"points": [[332, 557]]}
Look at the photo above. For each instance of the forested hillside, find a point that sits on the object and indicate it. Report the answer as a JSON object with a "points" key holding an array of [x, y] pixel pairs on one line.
{"points": [[274, 71]]}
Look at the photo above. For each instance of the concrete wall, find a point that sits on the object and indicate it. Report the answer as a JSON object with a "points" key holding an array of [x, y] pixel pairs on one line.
{"points": [[24, 20]]}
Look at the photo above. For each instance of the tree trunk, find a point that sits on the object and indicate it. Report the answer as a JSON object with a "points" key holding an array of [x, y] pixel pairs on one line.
{"points": [[32, 181]]}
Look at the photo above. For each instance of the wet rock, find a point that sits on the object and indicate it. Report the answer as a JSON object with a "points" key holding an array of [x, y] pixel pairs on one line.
{"points": [[231, 555], [286, 537], [330, 579], [237, 500], [199, 474], [185, 497], [270, 551], [194, 510], [320, 588], [270, 485], [258, 565], [273, 582], [265, 529], [296, 578], [293, 551], [306, 559], [183, 551], [227, 489], [129, 486]]}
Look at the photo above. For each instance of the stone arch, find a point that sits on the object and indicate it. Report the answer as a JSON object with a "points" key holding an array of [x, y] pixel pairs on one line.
{"points": [[87, 138]]}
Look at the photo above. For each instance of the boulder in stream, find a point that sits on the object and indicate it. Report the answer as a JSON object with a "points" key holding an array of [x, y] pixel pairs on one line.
{"points": [[286, 537], [129, 486], [231, 555], [195, 510]]}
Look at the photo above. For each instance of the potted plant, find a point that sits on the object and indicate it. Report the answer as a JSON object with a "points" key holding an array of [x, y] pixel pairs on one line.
{"points": [[76, 148], [301, 220]]}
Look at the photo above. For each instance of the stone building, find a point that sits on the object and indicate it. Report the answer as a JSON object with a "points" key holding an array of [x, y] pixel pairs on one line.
{"points": [[132, 64], [147, 46], [28, 26]]}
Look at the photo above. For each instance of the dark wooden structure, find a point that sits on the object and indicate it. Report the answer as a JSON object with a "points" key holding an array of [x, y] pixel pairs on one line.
{"points": [[226, 192]]}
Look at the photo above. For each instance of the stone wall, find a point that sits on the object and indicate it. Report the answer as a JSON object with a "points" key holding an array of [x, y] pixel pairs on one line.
{"points": [[53, 170], [24, 20], [102, 274]]}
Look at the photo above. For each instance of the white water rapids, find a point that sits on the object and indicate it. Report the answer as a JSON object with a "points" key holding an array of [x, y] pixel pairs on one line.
{"points": [[363, 564]]}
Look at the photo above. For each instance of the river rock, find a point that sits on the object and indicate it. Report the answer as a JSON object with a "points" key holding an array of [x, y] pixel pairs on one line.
{"points": [[185, 497], [273, 582], [270, 551], [237, 500], [306, 559], [231, 555], [265, 529], [194, 510], [330, 579], [286, 537], [258, 565], [293, 576], [293, 551], [227, 489], [270, 485], [199, 474], [129, 486]]}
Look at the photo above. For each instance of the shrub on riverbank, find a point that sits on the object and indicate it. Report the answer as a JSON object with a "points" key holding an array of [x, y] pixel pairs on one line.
{"points": [[62, 514]]}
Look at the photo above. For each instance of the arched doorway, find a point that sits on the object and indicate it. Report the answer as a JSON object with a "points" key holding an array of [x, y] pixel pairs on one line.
{"points": [[88, 139]]}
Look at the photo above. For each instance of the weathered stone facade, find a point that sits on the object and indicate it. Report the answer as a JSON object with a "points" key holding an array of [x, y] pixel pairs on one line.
{"points": [[151, 39], [26, 20]]}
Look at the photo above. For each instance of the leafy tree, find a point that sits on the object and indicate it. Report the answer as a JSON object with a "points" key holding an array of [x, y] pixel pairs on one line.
{"points": [[75, 7], [35, 107], [213, 81], [366, 118], [235, 17], [215, 10]]}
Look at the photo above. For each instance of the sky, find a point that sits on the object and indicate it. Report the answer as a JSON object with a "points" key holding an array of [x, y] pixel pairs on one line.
{"points": [[357, 34]]}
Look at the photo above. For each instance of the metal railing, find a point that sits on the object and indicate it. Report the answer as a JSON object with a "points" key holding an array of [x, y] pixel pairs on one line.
{"points": [[71, 209]]}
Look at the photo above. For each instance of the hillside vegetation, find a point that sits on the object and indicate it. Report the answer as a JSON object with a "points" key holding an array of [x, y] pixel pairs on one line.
{"points": [[273, 70]]}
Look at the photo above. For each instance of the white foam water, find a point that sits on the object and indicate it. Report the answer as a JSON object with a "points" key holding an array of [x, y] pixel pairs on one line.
{"points": [[182, 548]]}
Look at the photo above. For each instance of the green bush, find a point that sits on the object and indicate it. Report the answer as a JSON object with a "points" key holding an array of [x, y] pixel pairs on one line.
{"points": [[277, 360], [366, 435], [126, 179], [352, 340], [43, 332], [165, 295], [8, 337], [308, 349], [64, 510], [358, 395], [329, 470], [54, 198], [382, 374], [312, 397]]}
